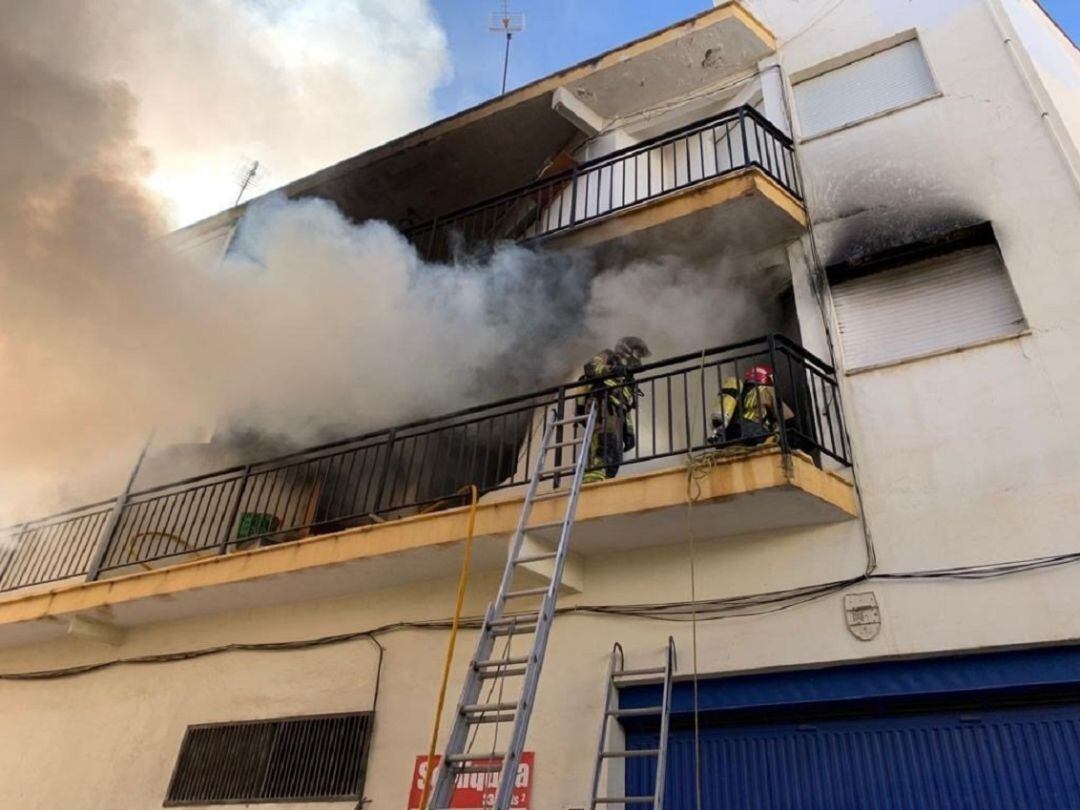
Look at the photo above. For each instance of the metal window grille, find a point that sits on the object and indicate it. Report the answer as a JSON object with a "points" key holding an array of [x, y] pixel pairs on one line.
{"points": [[317, 758]]}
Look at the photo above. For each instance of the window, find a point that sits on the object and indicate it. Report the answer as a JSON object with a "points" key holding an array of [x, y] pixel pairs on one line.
{"points": [[886, 80], [319, 758], [925, 307]]}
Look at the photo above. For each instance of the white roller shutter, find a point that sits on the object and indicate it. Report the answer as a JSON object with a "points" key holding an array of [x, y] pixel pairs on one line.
{"points": [[926, 307], [888, 79]]}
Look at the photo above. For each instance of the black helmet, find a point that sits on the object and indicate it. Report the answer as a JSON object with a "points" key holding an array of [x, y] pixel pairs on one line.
{"points": [[632, 350]]}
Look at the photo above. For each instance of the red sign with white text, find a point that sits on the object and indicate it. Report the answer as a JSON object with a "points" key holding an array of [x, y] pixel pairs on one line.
{"points": [[476, 791]]}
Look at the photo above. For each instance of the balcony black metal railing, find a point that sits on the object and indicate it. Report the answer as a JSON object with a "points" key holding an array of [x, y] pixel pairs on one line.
{"points": [[412, 468], [705, 150]]}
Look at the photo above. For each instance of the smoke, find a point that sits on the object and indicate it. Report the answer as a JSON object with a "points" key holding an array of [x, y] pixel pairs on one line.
{"points": [[678, 307], [295, 84], [343, 324], [313, 326]]}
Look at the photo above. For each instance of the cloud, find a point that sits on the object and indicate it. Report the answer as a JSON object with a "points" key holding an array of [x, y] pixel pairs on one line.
{"points": [[295, 85]]}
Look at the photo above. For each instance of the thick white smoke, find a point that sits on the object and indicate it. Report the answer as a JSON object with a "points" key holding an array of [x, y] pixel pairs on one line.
{"points": [[331, 323], [313, 325], [295, 84]]}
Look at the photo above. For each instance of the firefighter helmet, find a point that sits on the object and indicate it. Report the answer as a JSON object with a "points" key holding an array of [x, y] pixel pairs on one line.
{"points": [[759, 375], [632, 350]]}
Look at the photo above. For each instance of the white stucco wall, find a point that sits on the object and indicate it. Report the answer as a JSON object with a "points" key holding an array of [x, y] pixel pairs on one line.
{"points": [[969, 457], [1044, 50]]}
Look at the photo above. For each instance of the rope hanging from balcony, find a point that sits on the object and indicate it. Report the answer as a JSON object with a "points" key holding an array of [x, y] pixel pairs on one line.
{"points": [[463, 583]]}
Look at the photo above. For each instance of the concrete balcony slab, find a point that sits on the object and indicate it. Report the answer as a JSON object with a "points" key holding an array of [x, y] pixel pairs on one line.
{"points": [[747, 211], [752, 493]]}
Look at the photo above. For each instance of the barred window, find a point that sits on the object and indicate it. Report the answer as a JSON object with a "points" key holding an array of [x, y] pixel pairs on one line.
{"points": [[321, 758]]}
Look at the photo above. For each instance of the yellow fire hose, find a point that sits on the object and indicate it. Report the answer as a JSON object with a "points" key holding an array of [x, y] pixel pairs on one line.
{"points": [[463, 581]]}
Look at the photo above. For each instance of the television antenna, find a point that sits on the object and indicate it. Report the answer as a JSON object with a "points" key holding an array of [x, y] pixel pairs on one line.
{"points": [[506, 22], [245, 178]]}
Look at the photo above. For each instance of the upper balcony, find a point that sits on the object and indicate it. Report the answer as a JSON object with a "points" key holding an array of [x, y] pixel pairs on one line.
{"points": [[730, 176], [382, 508]]}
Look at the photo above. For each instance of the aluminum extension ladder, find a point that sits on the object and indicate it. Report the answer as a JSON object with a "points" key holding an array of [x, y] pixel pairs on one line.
{"points": [[619, 676], [484, 667]]}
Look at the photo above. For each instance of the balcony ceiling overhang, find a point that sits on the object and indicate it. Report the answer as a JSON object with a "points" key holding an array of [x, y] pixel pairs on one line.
{"points": [[743, 213], [728, 41], [505, 142], [745, 494]]}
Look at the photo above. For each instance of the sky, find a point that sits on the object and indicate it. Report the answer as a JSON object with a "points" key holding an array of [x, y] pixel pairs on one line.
{"points": [[1067, 14], [301, 84], [559, 33]]}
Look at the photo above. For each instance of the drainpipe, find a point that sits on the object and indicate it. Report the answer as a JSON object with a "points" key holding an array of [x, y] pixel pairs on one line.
{"points": [[1026, 68]]}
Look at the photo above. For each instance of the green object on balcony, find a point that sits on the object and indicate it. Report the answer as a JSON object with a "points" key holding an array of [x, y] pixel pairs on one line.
{"points": [[256, 523]]}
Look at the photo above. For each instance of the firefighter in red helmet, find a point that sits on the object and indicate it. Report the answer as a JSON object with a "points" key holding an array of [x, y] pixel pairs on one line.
{"points": [[748, 411]]}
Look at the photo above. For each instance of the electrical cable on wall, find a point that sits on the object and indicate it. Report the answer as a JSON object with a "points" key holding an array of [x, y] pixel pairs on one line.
{"points": [[819, 286], [704, 610], [690, 500]]}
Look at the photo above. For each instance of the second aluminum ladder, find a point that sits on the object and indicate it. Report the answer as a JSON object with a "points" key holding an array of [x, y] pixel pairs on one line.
{"points": [[619, 676], [485, 666]]}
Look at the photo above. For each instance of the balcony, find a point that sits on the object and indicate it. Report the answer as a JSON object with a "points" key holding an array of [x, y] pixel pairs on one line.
{"points": [[383, 508], [732, 175]]}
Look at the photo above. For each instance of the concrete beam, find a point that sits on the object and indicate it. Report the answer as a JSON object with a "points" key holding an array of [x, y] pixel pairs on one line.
{"points": [[573, 579], [772, 94], [96, 630], [577, 112]]}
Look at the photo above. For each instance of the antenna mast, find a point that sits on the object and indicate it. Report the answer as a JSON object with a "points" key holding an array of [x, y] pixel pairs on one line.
{"points": [[506, 22], [245, 178]]}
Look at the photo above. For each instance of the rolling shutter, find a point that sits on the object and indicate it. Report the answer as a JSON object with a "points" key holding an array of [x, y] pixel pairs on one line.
{"points": [[933, 305], [998, 759], [886, 80]]}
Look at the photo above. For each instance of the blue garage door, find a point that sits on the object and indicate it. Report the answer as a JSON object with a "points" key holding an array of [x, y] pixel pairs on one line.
{"points": [[1000, 758]]}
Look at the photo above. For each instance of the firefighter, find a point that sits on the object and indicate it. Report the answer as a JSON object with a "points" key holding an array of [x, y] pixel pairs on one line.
{"points": [[746, 412], [611, 373]]}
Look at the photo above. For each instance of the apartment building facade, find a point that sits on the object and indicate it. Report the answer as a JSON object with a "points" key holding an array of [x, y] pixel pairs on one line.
{"points": [[876, 608]]}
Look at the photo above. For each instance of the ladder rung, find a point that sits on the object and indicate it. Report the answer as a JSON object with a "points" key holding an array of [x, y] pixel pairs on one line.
{"points": [[473, 720], [563, 470], [518, 619], [551, 555], [636, 752], [454, 759], [492, 768], [625, 800], [513, 630], [555, 493], [481, 708], [500, 662], [502, 673], [526, 592], [630, 673], [643, 712], [570, 443], [575, 420]]}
